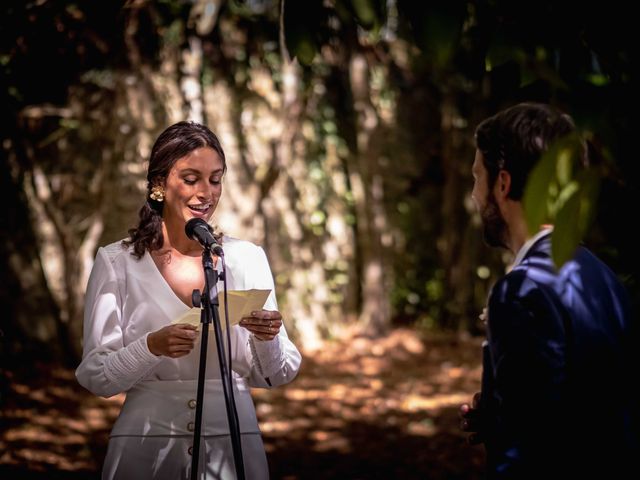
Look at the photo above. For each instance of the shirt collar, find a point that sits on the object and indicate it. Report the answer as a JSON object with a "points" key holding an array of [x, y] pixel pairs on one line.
{"points": [[529, 243]]}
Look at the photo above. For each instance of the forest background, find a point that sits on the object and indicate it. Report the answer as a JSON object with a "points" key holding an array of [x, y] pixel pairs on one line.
{"points": [[348, 130]]}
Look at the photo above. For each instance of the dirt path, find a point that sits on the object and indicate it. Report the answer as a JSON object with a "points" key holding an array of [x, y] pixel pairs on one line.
{"points": [[359, 409]]}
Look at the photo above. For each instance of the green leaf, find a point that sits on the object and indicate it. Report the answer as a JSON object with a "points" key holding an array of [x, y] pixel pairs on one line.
{"points": [[589, 191], [564, 163], [366, 13], [302, 23], [536, 195], [436, 26], [549, 180], [576, 209], [304, 49], [501, 50], [564, 196], [598, 79], [566, 234], [533, 70]]}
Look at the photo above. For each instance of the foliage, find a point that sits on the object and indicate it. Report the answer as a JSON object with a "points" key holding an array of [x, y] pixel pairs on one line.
{"points": [[562, 192], [350, 163]]}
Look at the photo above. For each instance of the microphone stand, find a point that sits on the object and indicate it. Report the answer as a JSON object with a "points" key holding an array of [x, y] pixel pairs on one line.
{"points": [[208, 316]]}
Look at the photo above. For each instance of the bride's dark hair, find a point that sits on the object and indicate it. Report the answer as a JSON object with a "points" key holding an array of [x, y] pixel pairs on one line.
{"points": [[174, 143]]}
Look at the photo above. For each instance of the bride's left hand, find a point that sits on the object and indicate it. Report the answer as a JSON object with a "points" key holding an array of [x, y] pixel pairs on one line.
{"points": [[264, 324]]}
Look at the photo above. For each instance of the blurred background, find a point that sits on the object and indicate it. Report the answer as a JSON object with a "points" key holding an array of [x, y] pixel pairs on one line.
{"points": [[348, 130]]}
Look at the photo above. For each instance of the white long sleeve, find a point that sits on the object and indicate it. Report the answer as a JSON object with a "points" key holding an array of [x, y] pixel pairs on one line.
{"points": [[274, 362], [108, 366]]}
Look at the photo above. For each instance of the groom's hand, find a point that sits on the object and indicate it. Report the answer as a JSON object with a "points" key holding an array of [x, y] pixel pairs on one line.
{"points": [[471, 420]]}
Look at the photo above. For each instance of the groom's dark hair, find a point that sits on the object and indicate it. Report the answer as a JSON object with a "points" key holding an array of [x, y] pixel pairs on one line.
{"points": [[514, 140]]}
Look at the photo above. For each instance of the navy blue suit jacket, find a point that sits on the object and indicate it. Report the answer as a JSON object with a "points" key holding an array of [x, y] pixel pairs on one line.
{"points": [[558, 370]]}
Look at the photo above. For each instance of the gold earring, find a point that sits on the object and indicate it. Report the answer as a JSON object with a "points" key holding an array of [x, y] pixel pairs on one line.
{"points": [[157, 193]]}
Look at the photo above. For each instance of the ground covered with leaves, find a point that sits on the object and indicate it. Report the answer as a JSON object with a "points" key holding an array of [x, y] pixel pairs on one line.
{"points": [[361, 408]]}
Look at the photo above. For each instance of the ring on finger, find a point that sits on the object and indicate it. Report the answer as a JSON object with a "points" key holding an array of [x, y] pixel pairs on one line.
{"points": [[270, 323]]}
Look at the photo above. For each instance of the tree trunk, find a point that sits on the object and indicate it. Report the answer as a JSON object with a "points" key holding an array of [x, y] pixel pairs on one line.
{"points": [[367, 185]]}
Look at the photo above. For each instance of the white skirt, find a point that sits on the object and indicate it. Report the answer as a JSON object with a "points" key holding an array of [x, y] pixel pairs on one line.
{"points": [[168, 458]]}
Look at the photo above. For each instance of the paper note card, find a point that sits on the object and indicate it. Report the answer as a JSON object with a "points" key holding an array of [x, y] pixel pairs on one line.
{"points": [[241, 304], [191, 316]]}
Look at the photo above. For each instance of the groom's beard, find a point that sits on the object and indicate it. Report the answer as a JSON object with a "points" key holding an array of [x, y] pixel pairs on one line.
{"points": [[495, 228]]}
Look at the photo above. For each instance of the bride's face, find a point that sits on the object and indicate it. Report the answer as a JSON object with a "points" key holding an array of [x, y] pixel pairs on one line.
{"points": [[193, 186]]}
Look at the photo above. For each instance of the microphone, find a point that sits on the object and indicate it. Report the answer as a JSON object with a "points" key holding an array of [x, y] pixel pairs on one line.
{"points": [[200, 230]]}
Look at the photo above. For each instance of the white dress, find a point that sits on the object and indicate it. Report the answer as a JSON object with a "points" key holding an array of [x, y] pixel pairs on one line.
{"points": [[126, 299]]}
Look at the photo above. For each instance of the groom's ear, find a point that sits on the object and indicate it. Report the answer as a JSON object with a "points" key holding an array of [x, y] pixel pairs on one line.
{"points": [[503, 184]]}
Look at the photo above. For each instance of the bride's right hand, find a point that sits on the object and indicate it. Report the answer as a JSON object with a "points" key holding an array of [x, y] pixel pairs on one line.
{"points": [[172, 341]]}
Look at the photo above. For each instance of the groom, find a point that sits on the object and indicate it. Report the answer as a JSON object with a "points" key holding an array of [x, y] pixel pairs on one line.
{"points": [[558, 369]]}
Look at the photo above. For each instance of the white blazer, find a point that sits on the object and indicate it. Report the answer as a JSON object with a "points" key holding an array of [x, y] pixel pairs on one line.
{"points": [[127, 299]]}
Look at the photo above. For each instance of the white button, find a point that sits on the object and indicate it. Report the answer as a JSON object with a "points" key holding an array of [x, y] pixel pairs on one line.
{"points": [[192, 403], [190, 426], [190, 450]]}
